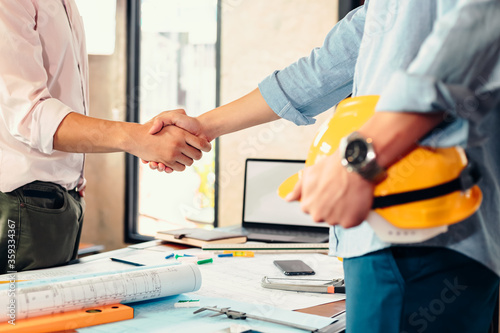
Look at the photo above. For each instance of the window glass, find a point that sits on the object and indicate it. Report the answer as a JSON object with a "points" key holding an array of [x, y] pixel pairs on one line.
{"points": [[177, 70]]}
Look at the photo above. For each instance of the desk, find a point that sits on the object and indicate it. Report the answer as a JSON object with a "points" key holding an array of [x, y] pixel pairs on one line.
{"points": [[326, 310], [228, 282]]}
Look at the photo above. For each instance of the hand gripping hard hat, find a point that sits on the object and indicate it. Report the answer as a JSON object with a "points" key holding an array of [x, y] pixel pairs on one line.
{"points": [[424, 192]]}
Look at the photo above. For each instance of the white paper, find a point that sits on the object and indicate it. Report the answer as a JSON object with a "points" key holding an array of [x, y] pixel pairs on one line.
{"points": [[239, 278]]}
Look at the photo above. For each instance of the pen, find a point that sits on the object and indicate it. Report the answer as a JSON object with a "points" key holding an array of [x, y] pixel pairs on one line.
{"points": [[126, 262], [225, 255], [205, 261], [177, 256], [171, 255]]}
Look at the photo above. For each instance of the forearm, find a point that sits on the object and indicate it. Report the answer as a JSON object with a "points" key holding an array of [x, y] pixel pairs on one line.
{"points": [[247, 111], [395, 133], [82, 134]]}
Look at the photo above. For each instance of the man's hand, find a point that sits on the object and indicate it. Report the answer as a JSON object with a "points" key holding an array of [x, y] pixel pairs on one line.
{"points": [[171, 147], [331, 194], [180, 119]]}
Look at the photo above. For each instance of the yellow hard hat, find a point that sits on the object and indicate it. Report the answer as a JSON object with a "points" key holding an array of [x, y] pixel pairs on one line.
{"points": [[430, 188]]}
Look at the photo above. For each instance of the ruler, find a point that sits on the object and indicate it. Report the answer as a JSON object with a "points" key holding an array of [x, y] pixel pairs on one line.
{"points": [[70, 320]]}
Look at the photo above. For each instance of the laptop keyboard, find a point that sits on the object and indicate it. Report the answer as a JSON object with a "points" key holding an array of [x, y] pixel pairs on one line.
{"points": [[284, 232]]}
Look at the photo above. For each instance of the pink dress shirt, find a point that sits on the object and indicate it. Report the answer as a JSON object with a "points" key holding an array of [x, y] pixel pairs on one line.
{"points": [[43, 77]]}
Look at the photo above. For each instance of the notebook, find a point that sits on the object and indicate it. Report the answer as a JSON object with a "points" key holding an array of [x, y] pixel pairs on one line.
{"points": [[199, 237], [267, 217]]}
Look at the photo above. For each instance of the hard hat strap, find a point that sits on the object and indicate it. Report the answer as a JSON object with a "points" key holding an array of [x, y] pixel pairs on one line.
{"points": [[469, 176]]}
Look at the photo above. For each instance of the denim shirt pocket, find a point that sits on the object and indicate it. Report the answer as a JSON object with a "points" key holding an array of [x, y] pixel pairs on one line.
{"points": [[381, 17]]}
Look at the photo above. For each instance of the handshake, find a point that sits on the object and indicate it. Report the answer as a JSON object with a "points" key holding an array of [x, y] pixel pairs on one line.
{"points": [[175, 141]]}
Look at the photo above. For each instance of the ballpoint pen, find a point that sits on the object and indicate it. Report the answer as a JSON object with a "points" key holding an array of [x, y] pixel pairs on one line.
{"points": [[126, 262]]}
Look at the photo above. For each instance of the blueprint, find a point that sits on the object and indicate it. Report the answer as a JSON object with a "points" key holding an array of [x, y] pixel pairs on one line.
{"points": [[63, 294]]}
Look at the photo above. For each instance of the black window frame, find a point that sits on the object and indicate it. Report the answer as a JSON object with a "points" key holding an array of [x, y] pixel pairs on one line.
{"points": [[345, 6], [131, 234]]}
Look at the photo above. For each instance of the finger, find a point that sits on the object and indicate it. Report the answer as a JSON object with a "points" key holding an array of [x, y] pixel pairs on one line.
{"points": [[162, 167], [164, 119], [184, 160], [296, 193], [187, 123], [198, 143], [178, 166], [332, 221], [192, 153], [179, 111], [158, 124], [317, 217], [153, 165], [144, 161], [170, 167]]}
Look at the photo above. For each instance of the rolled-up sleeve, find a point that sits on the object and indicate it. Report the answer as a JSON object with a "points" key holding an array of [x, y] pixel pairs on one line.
{"points": [[315, 83], [28, 110], [457, 69]]}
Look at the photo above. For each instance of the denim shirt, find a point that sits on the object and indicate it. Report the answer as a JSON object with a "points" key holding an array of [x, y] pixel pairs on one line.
{"points": [[418, 56]]}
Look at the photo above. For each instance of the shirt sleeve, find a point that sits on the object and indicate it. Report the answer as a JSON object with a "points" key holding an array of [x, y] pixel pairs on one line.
{"points": [[315, 83], [28, 110], [457, 69]]}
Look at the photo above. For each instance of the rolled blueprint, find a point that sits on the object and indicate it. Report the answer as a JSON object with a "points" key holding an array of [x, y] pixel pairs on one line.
{"points": [[38, 298]]}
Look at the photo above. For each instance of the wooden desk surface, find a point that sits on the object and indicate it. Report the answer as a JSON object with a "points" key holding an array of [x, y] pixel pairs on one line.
{"points": [[325, 310]]}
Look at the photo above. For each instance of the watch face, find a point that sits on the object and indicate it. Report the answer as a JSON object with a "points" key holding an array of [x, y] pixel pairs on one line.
{"points": [[356, 152]]}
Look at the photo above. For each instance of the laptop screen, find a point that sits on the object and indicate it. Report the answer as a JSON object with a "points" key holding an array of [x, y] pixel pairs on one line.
{"points": [[261, 203]]}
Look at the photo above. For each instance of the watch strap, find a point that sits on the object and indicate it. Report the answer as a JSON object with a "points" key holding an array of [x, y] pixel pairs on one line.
{"points": [[372, 172]]}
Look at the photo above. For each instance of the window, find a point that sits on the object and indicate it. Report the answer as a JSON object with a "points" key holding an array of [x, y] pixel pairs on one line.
{"points": [[99, 24], [173, 57]]}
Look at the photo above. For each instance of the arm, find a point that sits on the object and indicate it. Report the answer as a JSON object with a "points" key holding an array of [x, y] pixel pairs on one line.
{"points": [[297, 93], [300, 91], [35, 118], [316, 83], [173, 146], [331, 194], [445, 75], [456, 69], [247, 111]]}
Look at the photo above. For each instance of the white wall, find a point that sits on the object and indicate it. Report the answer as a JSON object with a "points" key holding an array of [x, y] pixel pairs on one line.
{"points": [[258, 37]]}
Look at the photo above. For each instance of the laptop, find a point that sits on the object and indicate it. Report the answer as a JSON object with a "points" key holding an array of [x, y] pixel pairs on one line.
{"points": [[269, 218]]}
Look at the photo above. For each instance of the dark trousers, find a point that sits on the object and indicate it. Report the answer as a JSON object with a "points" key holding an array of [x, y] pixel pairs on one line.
{"points": [[418, 289], [40, 226]]}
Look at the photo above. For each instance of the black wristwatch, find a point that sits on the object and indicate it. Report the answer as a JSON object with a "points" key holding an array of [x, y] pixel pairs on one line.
{"points": [[358, 155]]}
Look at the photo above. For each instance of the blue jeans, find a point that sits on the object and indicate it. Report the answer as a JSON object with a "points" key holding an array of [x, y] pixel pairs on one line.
{"points": [[418, 289]]}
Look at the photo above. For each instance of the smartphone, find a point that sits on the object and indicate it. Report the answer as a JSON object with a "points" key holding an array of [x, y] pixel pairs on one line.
{"points": [[294, 267]]}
